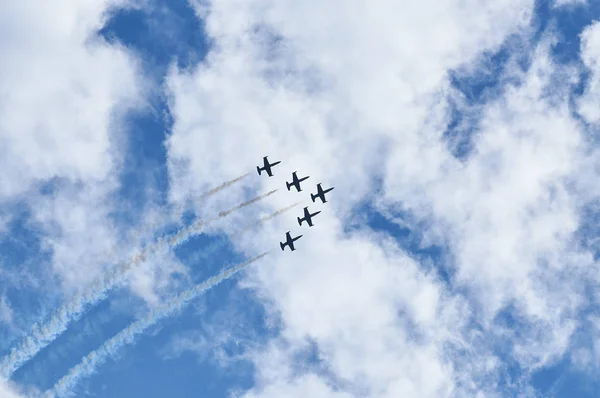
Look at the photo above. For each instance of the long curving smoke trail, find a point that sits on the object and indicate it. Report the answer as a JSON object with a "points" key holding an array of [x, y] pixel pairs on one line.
{"points": [[90, 362], [46, 332]]}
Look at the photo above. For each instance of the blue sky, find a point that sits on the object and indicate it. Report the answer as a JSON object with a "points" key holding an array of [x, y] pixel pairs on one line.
{"points": [[457, 256]]}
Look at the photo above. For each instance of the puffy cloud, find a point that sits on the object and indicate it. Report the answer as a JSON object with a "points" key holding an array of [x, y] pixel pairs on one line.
{"points": [[64, 94], [9, 391], [359, 97], [62, 88]]}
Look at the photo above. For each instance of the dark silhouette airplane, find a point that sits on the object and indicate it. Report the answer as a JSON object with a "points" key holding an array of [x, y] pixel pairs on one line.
{"points": [[295, 182], [267, 167], [307, 217], [320, 193], [289, 241]]}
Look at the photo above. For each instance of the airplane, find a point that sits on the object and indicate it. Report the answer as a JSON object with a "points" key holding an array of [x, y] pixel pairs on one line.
{"points": [[307, 217], [295, 182], [320, 193], [266, 167], [289, 241]]}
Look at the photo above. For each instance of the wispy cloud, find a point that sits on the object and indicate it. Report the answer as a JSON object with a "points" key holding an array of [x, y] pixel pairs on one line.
{"points": [[5, 311]]}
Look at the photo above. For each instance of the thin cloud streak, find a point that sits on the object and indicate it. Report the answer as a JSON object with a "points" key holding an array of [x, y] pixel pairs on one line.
{"points": [[90, 362], [44, 334]]}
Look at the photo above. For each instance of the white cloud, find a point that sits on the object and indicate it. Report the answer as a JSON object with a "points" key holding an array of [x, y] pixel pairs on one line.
{"points": [[6, 313], [564, 3], [8, 390], [589, 104], [62, 90], [350, 93], [64, 94], [152, 280], [306, 386]]}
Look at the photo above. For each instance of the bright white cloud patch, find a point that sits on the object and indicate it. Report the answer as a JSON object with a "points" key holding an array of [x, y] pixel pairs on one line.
{"points": [[589, 105], [8, 391], [62, 88]]}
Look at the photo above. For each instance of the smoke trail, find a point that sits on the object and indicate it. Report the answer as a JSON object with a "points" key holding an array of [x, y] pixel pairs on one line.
{"points": [[221, 187], [176, 211], [90, 362], [186, 233], [269, 217], [208, 251], [43, 334]]}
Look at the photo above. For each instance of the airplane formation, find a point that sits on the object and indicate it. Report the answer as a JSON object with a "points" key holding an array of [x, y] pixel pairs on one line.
{"points": [[308, 216]]}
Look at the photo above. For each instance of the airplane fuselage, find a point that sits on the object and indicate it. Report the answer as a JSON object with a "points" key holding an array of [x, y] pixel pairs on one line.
{"points": [[289, 241], [295, 182], [320, 194], [307, 217], [267, 167]]}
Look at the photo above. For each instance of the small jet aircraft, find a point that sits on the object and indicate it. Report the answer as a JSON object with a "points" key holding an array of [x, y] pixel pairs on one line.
{"points": [[307, 217], [295, 182], [267, 167], [289, 241], [320, 193]]}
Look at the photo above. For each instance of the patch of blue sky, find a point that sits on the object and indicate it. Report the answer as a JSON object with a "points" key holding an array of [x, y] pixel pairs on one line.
{"points": [[567, 22], [407, 230], [23, 265], [481, 85], [99, 323], [160, 34], [141, 369], [562, 381], [558, 379], [121, 308]]}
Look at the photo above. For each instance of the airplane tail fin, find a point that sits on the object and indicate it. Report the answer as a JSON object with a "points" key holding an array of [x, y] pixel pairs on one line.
{"points": [[288, 185], [299, 221], [282, 245], [258, 169], [313, 197]]}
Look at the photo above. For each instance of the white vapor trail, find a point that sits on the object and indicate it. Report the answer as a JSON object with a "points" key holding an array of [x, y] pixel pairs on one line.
{"points": [[90, 362], [44, 333], [175, 212]]}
